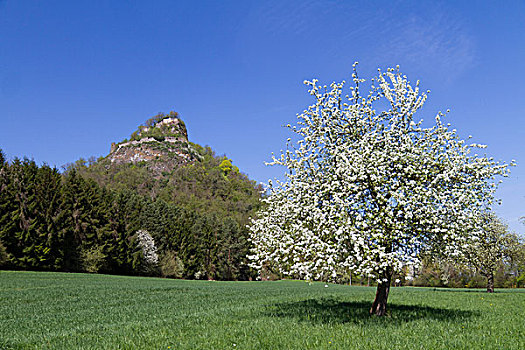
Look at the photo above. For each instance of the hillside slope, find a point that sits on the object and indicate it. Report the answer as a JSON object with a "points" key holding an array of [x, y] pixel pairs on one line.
{"points": [[160, 162]]}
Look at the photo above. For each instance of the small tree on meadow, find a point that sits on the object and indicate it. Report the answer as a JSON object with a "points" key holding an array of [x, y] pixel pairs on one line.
{"points": [[368, 187], [491, 248]]}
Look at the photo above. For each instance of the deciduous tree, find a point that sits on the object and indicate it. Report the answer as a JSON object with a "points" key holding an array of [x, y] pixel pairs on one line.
{"points": [[490, 248], [368, 186]]}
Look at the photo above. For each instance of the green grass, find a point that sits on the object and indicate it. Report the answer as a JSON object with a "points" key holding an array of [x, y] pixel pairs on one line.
{"points": [[40, 310]]}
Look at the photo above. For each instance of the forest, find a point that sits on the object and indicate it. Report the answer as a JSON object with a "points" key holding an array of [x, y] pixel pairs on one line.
{"points": [[88, 218]]}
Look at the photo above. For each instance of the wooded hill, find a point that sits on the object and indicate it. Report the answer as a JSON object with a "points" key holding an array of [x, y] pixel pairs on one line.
{"points": [[194, 204]]}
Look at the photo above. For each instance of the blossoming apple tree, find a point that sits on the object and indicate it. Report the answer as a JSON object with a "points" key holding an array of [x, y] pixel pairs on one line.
{"points": [[493, 246], [368, 187]]}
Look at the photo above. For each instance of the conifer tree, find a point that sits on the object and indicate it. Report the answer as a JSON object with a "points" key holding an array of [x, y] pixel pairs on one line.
{"points": [[124, 221], [7, 203], [20, 215], [46, 245], [80, 218]]}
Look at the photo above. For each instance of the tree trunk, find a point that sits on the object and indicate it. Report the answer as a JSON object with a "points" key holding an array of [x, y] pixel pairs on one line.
{"points": [[379, 306], [490, 283]]}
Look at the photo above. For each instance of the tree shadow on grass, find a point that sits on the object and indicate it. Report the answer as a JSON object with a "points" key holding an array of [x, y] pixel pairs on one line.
{"points": [[328, 310]]}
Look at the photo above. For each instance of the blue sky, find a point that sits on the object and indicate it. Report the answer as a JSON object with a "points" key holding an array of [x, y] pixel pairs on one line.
{"points": [[78, 75]]}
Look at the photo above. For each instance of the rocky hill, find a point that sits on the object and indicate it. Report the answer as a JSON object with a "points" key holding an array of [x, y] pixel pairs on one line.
{"points": [[158, 161], [162, 143]]}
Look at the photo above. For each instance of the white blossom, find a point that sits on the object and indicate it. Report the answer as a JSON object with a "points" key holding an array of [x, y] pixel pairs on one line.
{"points": [[147, 244], [367, 187]]}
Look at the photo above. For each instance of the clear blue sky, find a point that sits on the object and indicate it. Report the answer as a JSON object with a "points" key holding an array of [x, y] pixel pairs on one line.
{"points": [[78, 75]]}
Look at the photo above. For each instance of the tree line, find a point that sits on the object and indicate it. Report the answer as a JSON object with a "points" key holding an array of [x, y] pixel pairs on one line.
{"points": [[88, 218], [69, 222]]}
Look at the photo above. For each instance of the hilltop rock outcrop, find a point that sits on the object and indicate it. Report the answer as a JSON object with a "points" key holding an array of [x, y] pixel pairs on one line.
{"points": [[162, 143]]}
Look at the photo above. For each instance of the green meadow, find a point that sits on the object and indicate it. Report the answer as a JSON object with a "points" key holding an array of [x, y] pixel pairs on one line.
{"points": [[45, 310]]}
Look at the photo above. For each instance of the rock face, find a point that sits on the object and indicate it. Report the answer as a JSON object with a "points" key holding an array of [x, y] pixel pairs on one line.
{"points": [[162, 143]]}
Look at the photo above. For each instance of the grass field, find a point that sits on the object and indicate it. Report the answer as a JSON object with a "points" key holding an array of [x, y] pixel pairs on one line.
{"points": [[41, 310]]}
